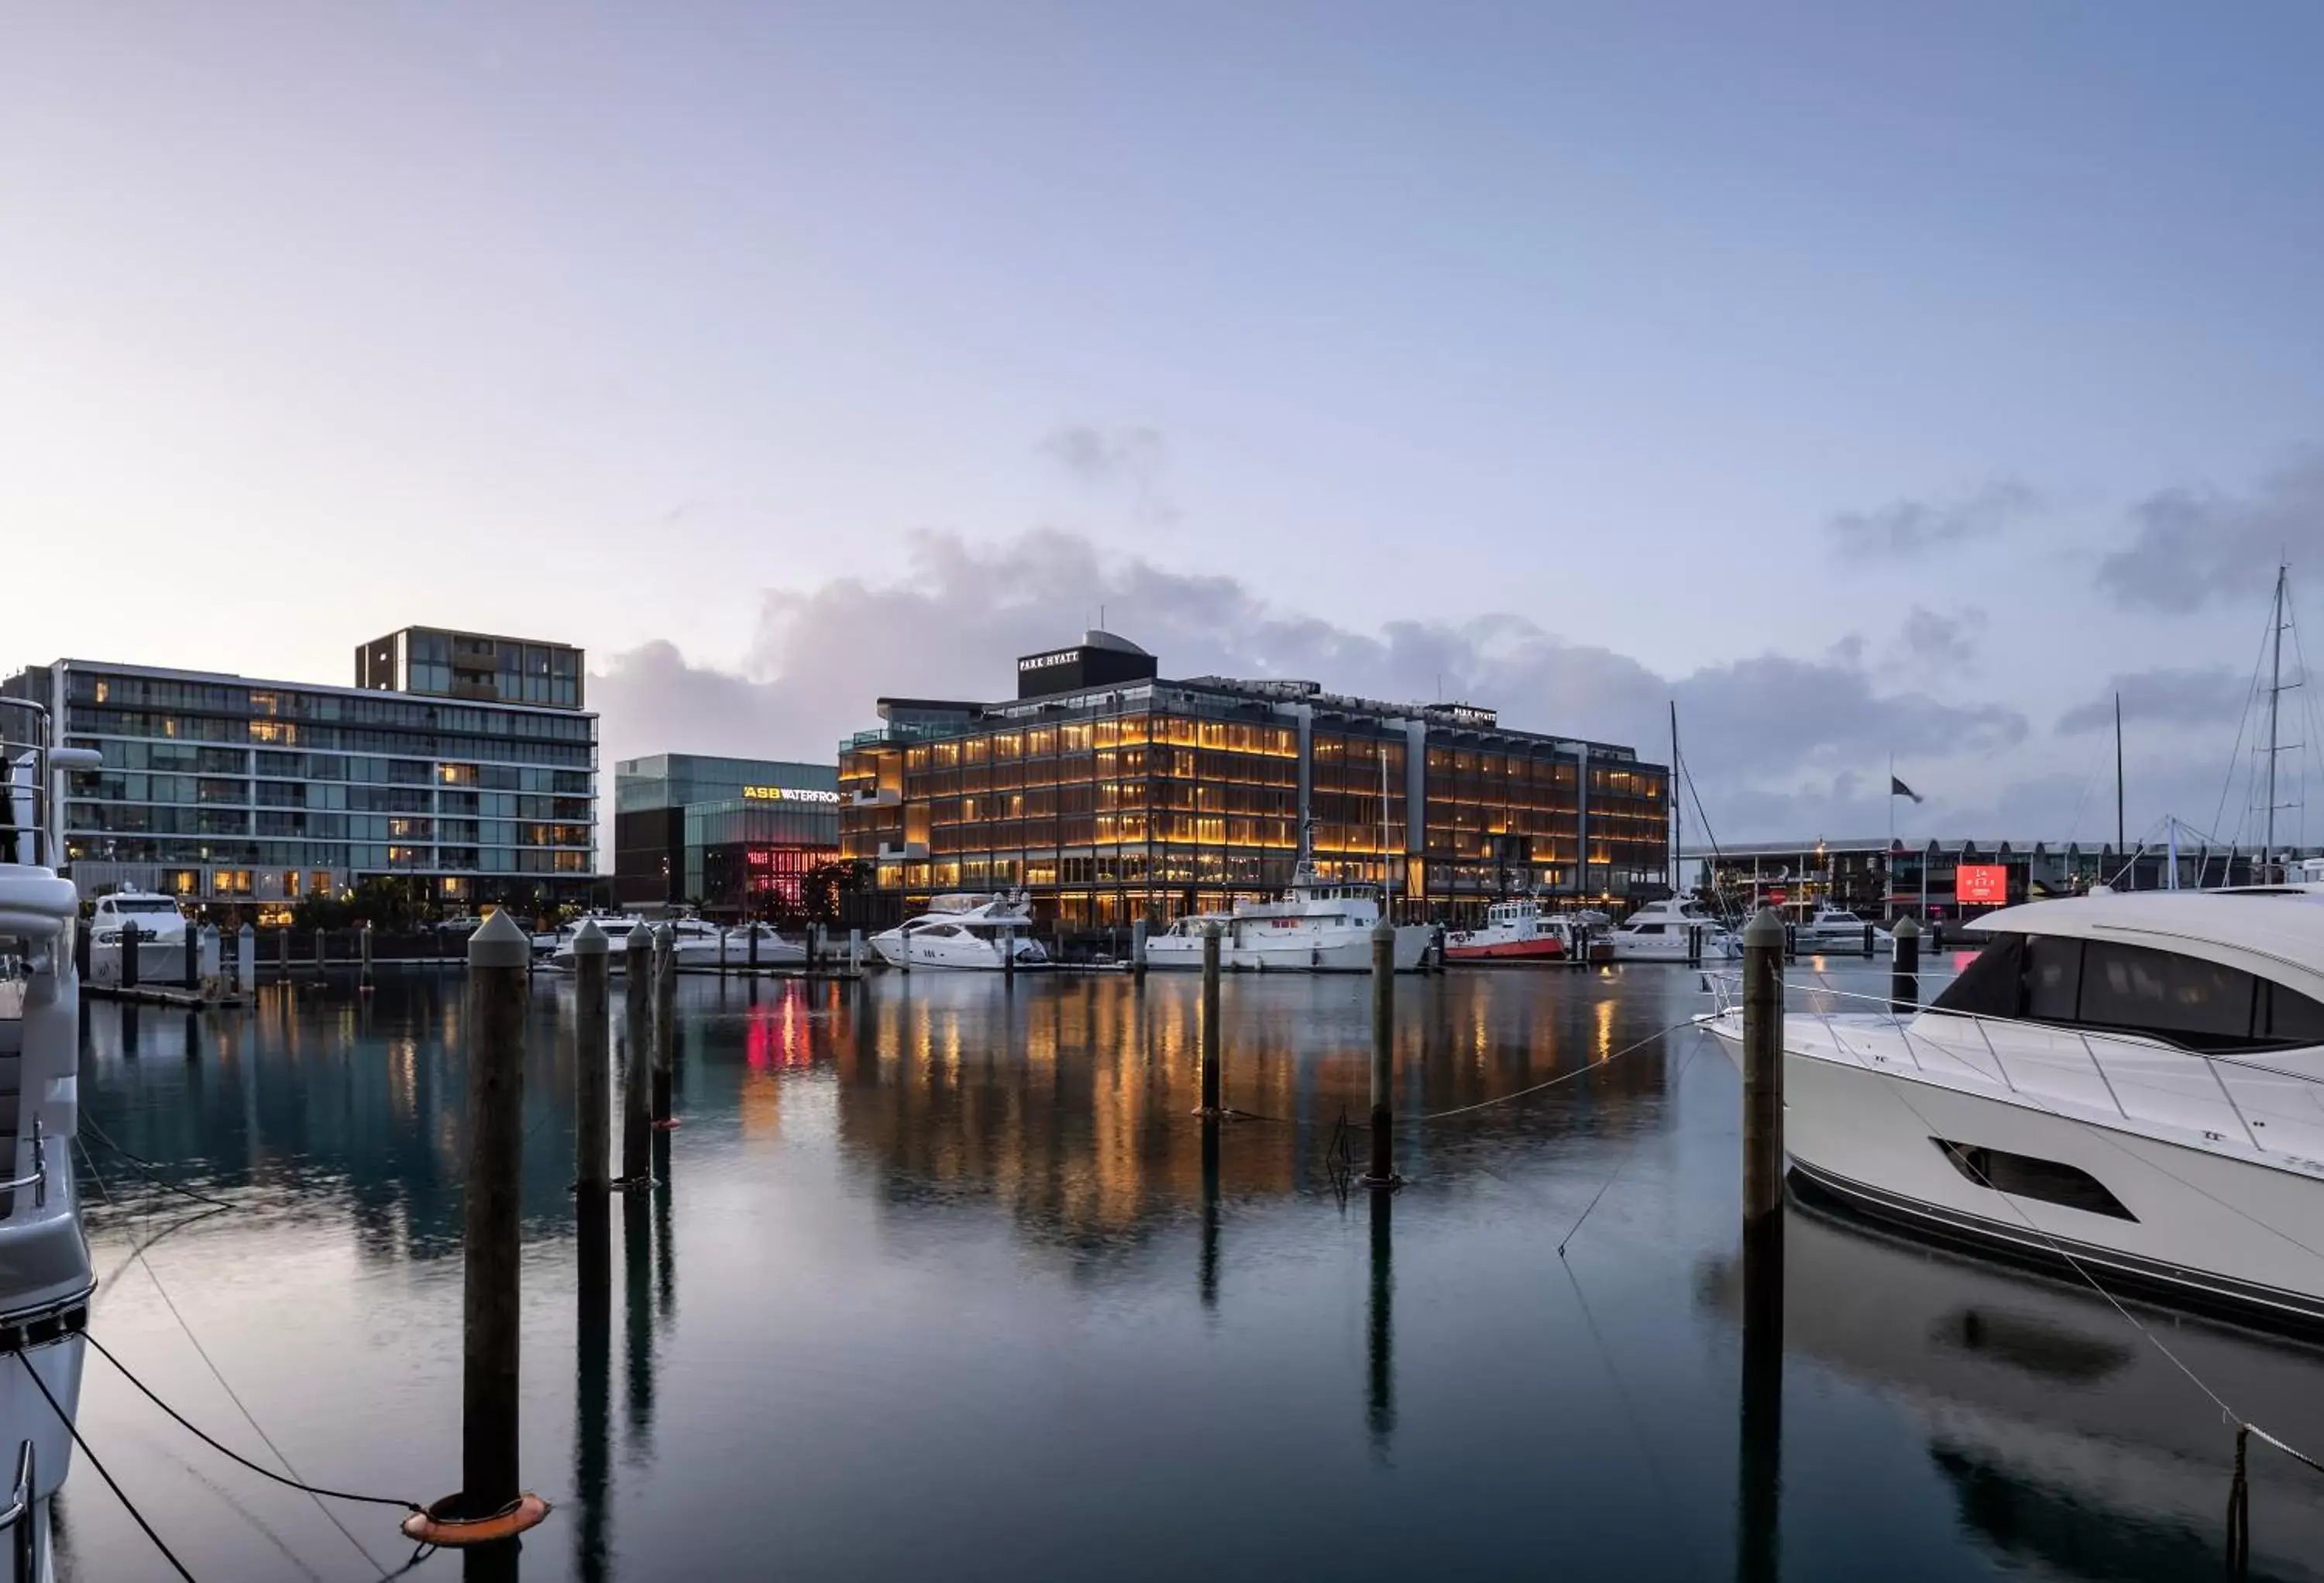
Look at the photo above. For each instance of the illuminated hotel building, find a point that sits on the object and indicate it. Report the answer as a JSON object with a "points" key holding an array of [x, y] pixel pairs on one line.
{"points": [[1107, 793], [734, 837]]}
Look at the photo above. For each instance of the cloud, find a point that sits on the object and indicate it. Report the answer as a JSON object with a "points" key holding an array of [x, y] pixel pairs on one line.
{"points": [[1130, 462], [1903, 530], [1930, 639], [2196, 695], [1782, 743], [2194, 545]]}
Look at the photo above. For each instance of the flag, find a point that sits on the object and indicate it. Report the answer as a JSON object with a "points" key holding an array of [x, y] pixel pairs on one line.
{"points": [[1897, 788]]}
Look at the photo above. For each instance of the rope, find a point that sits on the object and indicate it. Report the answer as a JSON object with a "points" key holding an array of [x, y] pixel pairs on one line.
{"points": [[1627, 1150], [227, 1451], [147, 1167], [73, 1429], [1562, 1077], [2240, 1510]]}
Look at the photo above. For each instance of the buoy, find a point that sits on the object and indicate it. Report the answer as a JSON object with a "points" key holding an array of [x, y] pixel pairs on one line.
{"points": [[435, 1526]]}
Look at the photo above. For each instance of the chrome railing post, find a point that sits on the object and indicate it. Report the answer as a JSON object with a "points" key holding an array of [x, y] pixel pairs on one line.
{"points": [[24, 1532], [2229, 1095], [40, 1166], [2098, 1066]]}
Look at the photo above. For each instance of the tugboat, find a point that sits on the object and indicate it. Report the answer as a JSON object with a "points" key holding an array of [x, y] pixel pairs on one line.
{"points": [[45, 1277]]}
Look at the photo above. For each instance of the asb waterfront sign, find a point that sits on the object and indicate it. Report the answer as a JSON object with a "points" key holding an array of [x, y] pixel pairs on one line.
{"points": [[786, 794], [1981, 885]]}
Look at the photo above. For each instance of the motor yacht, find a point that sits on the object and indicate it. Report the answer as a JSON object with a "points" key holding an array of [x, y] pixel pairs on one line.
{"points": [[2130, 1083], [1662, 931], [1318, 926], [45, 1277], [978, 933], [163, 932], [701, 946], [1516, 932], [1835, 929]]}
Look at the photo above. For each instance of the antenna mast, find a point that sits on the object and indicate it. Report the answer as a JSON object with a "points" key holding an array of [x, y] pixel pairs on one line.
{"points": [[1670, 791], [2117, 775]]}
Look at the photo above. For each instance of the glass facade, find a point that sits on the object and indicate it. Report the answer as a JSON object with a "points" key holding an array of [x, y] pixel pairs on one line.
{"points": [[731, 837], [1165, 797], [433, 662], [223, 788]]}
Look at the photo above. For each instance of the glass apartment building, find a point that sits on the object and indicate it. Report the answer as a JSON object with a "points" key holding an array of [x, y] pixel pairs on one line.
{"points": [[1108, 794], [246, 796], [733, 837]]}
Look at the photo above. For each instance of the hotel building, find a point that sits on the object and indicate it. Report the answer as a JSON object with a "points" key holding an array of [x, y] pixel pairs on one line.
{"points": [[1107, 793], [246, 796], [734, 837]]}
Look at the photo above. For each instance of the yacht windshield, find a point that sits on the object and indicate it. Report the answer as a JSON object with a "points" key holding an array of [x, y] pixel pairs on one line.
{"points": [[144, 907]]}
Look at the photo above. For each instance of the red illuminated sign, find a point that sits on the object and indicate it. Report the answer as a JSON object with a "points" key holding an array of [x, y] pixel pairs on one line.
{"points": [[1981, 885]]}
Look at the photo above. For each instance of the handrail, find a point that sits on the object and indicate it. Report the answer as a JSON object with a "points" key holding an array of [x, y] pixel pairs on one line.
{"points": [[23, 1534], [2099, 1067]]}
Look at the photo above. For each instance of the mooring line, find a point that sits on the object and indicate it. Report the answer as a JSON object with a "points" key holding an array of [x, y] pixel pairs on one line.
{"points": [[145, 1166], [1583, 1070], [1627, 1149], [111, 1483]]}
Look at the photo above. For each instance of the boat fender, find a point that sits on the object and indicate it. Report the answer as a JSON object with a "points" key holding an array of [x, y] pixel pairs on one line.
{"points": [[435, 1526]]}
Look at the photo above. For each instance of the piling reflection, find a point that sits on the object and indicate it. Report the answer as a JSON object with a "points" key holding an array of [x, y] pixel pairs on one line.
{"points": [[593, 1387], [1210, 1257], [1759, 1478], [1380, 1324]]}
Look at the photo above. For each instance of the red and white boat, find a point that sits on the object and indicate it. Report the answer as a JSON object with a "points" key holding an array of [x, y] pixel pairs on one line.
{"points": [[1517, 931]]}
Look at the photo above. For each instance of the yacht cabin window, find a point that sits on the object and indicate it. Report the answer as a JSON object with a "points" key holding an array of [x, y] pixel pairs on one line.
{"points": [[2107, 985]]}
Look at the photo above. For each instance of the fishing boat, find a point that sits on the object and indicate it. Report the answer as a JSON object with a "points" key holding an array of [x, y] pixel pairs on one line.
{"points": [[973, 934], [45, 1277], [1318, 926], [1520, 932], [2132, 1084]]}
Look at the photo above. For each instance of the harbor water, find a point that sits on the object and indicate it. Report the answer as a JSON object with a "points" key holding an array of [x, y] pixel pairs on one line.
{"points": [[945, 1282]]}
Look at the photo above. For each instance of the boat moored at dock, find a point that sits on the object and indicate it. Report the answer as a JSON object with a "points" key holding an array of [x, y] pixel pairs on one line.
{"points": [[162, 929], [701, 946], [1518, 932], [1319, 927], [1669, 931], [2130, 1083], [975, 933]]}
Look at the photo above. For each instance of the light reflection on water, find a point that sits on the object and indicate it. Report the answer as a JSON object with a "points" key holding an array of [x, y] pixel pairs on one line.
{"points": [[948, 1281]]}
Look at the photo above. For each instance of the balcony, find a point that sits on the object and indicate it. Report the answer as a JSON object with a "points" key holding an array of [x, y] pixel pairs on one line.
{"points": [[887, 796], [912, 852]]}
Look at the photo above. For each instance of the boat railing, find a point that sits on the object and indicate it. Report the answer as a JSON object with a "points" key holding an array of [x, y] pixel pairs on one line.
{"points": [[30, 824], [2109, 1055], [17, 1518]]}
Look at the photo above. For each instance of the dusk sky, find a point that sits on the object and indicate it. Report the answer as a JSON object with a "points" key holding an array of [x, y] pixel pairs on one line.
{"points": [[1868, 379]]}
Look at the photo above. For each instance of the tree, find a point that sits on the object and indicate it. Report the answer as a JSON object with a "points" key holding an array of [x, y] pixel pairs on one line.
{"points": [[821, 886], [382, 901]]}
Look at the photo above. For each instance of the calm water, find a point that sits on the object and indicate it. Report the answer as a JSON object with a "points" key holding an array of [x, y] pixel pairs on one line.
{"points": [[944, 1287]]}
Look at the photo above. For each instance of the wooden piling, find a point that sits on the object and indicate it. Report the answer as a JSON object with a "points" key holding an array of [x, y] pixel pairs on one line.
{"points": [[282, 951], [1868, 941], [1383, 1166], [637, 1057], [322, 950], [246, 959], [1211, 949], [1904, 972], [1762, 1068], [1137, 950], [751, 948], [128, 976], [500, 956], [592, 1065], [665, 1032], [362, 949], [191, 978]]}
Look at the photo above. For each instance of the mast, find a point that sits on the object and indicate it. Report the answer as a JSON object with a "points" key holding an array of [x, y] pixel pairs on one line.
{"points": [[2274, 696], [2117, 777], [1677, 809]]}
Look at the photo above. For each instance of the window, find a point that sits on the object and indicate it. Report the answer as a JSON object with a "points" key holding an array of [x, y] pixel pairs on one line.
{"points": [[2199, 1003], [2131, 988], [2026, 1176]]}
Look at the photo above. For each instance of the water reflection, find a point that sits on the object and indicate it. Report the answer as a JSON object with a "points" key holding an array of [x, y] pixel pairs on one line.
{"points": [[938, 1236]]}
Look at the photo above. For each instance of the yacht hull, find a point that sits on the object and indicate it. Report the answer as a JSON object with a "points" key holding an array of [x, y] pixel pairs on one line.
{"points": [[1541, 948], [2208, 1229], [1292, 951]]}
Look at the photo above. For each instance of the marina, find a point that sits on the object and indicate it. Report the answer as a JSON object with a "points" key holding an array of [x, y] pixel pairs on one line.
{"points": [[962, 1233]]}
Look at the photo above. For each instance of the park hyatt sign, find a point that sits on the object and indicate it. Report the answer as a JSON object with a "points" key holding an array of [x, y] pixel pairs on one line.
{"points": [[1087, 665], [786, 794]]}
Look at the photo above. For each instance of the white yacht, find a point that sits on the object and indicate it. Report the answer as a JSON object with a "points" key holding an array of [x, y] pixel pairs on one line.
{"points": [[698, 944], [45, 1276], [1319, 927], [1660, 930], [163, 932], [1520, 932], [1834, 929], [2131, 1082], [980, 933]]}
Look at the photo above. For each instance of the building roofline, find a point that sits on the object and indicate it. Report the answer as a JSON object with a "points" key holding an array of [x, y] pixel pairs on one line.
{"points": [[235, 679]]}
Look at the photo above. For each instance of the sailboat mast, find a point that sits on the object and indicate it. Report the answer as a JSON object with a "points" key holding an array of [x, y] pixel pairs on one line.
{"points": [[2274, 696], [2117, 777], [1670, 790]]}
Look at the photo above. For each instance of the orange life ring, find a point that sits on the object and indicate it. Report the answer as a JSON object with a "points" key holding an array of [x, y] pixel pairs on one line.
{"points": [[433, 1527]]}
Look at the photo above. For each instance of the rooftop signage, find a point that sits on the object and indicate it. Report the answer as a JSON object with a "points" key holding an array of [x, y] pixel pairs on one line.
{"points": [[786, 794], [1042, 661]]}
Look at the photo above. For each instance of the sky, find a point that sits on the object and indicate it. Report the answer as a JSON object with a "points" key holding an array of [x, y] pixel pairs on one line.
{"points": [[1872, 382]]}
